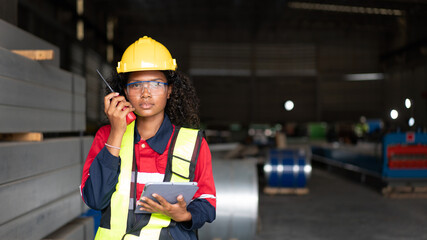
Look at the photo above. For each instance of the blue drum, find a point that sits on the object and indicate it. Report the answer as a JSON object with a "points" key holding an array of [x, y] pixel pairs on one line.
{"points": [[288, 168]]}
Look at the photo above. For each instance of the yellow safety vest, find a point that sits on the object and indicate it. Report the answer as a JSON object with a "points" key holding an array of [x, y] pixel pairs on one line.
{"points": [[180, 169]]}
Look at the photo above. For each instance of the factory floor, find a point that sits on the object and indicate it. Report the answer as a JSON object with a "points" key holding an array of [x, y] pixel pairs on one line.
{"points": [[340, 208]]}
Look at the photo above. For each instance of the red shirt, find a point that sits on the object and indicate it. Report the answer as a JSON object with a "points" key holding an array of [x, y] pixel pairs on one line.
{"points": [[151, 159]]}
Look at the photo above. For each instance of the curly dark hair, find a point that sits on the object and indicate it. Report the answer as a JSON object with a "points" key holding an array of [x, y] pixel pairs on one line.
{"points": [[183, 105]]}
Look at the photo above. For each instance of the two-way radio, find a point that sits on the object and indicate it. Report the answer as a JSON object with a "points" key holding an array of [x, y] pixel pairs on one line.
{"points": [[130, 117]]}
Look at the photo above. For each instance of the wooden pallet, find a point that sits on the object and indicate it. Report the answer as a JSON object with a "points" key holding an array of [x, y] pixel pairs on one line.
{"points": [[405, 191], [37, 55], [285, 191], [22, 137]]}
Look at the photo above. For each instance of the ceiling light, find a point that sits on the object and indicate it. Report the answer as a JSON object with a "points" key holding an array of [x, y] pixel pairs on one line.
{"points": [[394, 114], [289, 105], [80, 7], [408, 103], [345, 8], [411, 122], [364, 77]]}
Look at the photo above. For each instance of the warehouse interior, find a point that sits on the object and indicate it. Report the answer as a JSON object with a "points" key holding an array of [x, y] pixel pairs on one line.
{"points": [[315, 111]]}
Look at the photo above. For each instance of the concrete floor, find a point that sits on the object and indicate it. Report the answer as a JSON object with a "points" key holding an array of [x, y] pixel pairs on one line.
{"points": [[338, 208]]}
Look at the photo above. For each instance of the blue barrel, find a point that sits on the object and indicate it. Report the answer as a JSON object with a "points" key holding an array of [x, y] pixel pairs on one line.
{"points": [[288, 168]]}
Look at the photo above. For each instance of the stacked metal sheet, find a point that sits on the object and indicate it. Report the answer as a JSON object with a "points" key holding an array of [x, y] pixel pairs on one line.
{"points": [[237, 200], [38, 180]]}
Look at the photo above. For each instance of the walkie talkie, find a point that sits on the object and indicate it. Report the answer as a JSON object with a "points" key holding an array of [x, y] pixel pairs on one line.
{"points": [[131, 116]]}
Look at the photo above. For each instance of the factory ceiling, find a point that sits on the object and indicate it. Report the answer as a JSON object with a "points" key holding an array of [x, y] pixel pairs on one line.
{"points": [[245, 21], [235, 21], [303, 48]]}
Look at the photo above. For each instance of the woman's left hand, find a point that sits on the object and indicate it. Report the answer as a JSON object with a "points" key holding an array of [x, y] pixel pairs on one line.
{"points": [[178, 211]]}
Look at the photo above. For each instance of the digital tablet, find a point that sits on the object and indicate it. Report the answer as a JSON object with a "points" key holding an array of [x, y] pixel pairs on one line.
{"points": [[169, 191]]}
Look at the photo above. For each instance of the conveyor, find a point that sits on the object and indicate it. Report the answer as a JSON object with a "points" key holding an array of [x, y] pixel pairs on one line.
{"points": [[400, 157]]}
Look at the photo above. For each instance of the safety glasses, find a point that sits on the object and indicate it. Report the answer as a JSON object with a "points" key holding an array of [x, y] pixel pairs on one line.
{"points": [[154, 88]]}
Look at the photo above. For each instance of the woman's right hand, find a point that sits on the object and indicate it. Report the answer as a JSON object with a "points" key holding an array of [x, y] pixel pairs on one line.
{"points": [[116, 108]]}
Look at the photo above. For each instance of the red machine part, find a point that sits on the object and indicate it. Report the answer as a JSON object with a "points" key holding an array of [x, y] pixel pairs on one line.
{"points": [[407, 156]]}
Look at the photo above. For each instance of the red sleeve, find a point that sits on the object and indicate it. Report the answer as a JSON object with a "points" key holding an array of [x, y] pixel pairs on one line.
{"points": [[203, 175], [97, 144]]}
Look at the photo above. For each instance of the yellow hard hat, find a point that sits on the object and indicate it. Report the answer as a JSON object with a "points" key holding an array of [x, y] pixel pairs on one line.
{"points": [[146, 54]]}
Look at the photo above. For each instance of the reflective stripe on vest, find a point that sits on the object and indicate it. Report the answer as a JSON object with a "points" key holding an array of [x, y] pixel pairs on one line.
{"points": [[181, 172], [182, 153], [120, 198]]}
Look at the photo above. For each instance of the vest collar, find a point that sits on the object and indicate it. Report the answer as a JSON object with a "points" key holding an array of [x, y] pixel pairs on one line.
{"points": [[159, 141]]}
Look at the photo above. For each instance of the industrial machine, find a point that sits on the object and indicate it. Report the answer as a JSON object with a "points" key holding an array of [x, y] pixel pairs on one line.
{"points": [[405, 156], [401, 160]]}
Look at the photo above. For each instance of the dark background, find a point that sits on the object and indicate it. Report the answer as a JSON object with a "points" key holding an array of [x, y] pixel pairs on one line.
{"points": [[246, 58]]}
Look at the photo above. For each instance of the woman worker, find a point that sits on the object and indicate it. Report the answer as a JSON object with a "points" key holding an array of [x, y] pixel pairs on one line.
{"points": [[159, 146]]}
